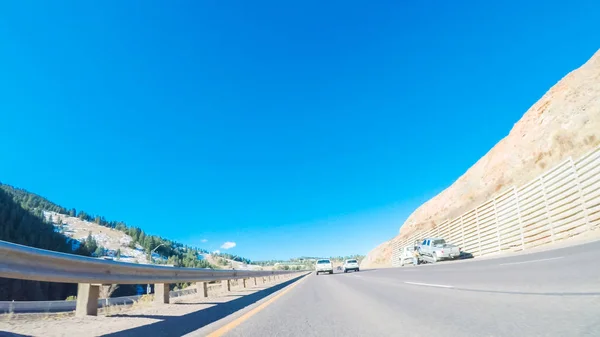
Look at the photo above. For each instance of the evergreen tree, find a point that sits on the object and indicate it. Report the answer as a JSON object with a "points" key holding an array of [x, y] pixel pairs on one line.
{"points": [[90, 243], [99, 251]]}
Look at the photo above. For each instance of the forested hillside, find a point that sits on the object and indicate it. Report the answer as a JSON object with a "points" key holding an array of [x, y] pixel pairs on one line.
{"points": [[27, 227], [22, 221], [177, 253], [233, 257], [31, 201]]}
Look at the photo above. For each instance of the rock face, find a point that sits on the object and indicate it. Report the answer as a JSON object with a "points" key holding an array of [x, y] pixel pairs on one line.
{"points": [[564, 122]]}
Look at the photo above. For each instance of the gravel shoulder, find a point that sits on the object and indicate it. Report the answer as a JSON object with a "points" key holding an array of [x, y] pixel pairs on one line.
{"points": [[183, 315]]}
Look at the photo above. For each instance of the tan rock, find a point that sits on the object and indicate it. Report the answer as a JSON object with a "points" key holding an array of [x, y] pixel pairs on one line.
{"points": [[564, 122]]}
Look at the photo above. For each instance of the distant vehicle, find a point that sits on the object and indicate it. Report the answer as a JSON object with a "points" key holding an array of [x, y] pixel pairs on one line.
{"points": [[351, 265], [339, 268], [436, 249], [324, 266], [406, 256]]}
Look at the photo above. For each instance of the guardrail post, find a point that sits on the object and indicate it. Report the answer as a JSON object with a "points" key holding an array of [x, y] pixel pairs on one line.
{"points": [[87, 299], [228, 285], [255, 283], [244, 282], [161, 293], [204, 288]]}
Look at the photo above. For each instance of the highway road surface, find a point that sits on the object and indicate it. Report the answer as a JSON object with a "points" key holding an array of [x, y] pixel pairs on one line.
{"points": [[552, 293]]}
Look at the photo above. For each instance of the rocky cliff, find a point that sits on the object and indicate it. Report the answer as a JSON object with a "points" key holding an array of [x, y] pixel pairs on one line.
{"points": [[564, 122]]}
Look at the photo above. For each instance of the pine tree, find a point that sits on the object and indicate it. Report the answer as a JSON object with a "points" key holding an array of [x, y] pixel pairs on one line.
{"points": [[90, 243], [99, 251]]}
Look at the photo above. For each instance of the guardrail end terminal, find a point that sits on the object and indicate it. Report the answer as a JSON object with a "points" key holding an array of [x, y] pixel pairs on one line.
{"points": [[87, 300]]}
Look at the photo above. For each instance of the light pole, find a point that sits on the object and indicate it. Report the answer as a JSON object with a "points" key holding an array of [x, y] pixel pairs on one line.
{"points": [[148, 289]]}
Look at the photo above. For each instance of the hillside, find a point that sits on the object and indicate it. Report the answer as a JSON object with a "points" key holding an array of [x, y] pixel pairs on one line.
{"points": [[116, 239], [113, 241], [110, 239], [564, 122], [25, 227]]}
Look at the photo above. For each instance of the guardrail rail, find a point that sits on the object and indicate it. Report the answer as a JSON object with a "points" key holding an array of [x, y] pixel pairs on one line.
{"points": [[28, 263]]}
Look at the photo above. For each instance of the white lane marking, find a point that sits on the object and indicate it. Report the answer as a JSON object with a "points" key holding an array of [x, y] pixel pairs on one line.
{"points": [[532, 261], [429, 285]]}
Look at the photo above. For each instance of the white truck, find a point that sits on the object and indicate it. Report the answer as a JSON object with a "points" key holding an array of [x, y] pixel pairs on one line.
{"points": [[436, 249]]}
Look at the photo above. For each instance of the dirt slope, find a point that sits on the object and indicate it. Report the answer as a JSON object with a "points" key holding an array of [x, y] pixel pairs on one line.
{"points": [[114, 240], [108, 238], [564, 122]]}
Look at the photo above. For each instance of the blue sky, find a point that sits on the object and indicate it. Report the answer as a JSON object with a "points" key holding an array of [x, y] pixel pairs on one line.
{"points": [[289, 128]]}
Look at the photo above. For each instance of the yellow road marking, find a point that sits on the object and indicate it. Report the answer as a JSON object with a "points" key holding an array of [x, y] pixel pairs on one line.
{"points": [[231, 325]]}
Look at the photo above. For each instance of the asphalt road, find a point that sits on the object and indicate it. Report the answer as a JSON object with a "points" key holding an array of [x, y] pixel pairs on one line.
{"points": [[552, 293]]}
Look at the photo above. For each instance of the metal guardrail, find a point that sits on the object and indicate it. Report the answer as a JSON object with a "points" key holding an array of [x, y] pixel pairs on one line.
{"points": [[27, 263]]}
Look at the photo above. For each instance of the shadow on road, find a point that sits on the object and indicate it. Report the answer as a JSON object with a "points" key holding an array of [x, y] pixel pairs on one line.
{"points": [[465, 255], [339, 272], [181, 325], [11, 334]]}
